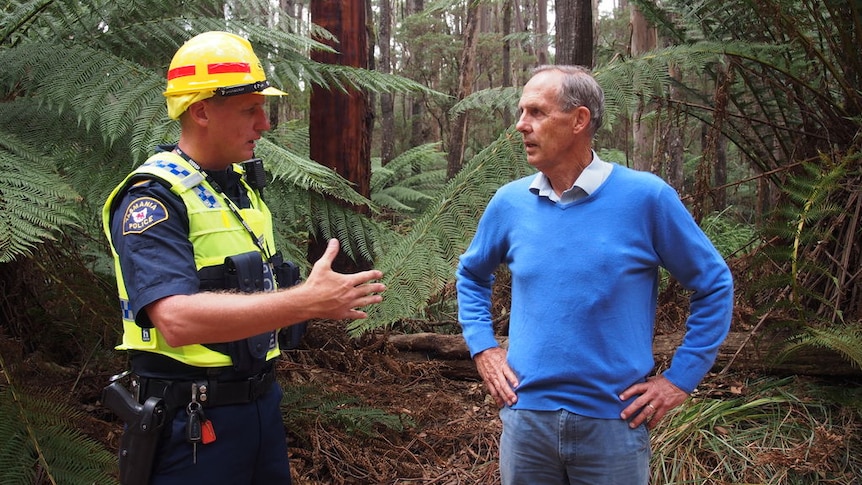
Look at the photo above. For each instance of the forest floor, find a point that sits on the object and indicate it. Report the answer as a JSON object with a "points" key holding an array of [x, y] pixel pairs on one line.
{"points": [[359, 412]]}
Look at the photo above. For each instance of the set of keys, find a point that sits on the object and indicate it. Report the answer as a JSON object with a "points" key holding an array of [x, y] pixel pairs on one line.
{"points": [[199, 429]]}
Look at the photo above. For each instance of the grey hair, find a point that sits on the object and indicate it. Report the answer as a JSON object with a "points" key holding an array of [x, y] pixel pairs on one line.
{"points": [[579, 88]]}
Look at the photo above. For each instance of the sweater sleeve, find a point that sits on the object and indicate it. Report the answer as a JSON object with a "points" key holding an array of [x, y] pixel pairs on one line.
{"points": [[690, 257], [474, 281]]}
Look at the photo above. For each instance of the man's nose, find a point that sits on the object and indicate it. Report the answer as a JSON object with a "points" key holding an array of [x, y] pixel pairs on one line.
{"points": [[263, 121]]}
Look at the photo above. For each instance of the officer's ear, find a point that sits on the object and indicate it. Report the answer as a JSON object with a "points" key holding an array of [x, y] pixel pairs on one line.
{"points": [[198, 113]]}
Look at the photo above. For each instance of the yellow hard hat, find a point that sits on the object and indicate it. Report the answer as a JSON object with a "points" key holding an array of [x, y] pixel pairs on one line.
{"points": [[214, 63]]}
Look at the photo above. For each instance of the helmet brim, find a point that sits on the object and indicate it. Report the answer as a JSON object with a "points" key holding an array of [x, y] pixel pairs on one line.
{"points": [[271, 91]]}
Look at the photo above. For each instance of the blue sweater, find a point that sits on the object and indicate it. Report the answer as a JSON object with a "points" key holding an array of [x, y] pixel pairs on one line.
{"points": [[585, 281]]}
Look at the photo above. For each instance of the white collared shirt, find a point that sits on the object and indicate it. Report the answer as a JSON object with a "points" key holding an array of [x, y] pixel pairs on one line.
{"points": [[590, 179]]}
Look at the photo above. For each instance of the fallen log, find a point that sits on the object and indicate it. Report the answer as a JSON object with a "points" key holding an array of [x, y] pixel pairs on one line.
{"points": [[739, 352]]}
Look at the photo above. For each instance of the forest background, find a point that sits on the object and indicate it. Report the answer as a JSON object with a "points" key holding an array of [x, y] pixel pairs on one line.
{"points": [[397, 130]]}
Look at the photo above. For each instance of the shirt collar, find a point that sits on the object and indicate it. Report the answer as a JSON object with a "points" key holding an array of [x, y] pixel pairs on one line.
{"points": [[589, 181]]}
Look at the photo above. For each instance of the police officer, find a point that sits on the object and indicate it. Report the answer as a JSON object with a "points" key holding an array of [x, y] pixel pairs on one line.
{"points": [[194, 258]]}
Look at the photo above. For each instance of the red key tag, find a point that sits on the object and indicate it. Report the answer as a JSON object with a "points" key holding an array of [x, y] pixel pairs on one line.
{"points": [[207, 432]]}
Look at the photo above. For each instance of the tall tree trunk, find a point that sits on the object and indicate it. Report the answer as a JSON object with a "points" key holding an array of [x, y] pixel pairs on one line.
{"points": [[520, 25], [720, 174], [713, 160], [643, 40], [339, 123], [417, 106], [387, 103], [574, 39], [458, 131], [507, 56], [675, 150], [542, 56]]}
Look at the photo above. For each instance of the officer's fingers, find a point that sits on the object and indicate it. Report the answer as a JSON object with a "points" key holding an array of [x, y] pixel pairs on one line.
{"points": [[364, 277], [329, 255], [368, 300], [356, 315]]}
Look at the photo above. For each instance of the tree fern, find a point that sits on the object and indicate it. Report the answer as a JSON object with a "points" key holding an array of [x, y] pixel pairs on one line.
{"points": [[409, 181], [39, 440], [419, 264], [34, 200], [846, 340], [811, 206]]}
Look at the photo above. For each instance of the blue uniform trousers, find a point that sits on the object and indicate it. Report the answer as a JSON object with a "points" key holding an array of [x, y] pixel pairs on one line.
{"points": [[250, 447]]}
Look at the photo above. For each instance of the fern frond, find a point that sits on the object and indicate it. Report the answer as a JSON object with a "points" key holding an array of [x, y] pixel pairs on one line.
{"points": [[358, 234], [418, 265], [410, 180], [337, 76], [314, 191], [16, 16], [302, 404], [34, 200], [104, 92], [489, 101], [307, 174], [37, 439], [292, 136], [846, 340]]}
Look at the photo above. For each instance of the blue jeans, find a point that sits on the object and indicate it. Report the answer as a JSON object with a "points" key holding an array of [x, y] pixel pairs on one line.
{"points": [[559, 447]]}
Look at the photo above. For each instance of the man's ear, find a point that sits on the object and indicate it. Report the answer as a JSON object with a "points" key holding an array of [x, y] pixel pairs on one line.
{"points": [[581, 119], [198, 114]]}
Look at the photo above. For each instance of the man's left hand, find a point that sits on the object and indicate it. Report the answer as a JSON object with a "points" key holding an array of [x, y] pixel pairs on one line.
{"points": [[657, 397]]}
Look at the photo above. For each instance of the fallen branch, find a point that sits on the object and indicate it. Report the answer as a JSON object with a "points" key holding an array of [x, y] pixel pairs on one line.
{"points": [[744, 350]]}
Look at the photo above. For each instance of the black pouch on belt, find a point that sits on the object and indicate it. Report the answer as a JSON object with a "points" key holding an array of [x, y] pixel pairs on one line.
{"points": [[287, 275], [247, 273]]}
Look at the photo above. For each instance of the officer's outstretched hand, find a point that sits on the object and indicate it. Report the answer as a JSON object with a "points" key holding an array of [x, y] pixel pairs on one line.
{"points": [[337, 296]]}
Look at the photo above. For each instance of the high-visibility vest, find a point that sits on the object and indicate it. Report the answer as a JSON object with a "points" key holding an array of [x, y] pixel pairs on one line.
{"points": [[215, 233]]}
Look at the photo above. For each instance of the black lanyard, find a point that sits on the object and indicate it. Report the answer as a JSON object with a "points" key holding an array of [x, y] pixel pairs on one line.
{"points": [[258, 241]]}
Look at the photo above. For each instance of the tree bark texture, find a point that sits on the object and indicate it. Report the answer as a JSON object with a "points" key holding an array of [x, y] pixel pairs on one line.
{"points": [[541, 42], [507, 55], [458, 131], [340, 122], [418, 133], [574, 38], [644, 39], [387, 102]]}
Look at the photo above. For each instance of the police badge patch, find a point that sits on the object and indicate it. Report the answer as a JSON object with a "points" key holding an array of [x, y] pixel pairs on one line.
{"points": [[142, 214]]}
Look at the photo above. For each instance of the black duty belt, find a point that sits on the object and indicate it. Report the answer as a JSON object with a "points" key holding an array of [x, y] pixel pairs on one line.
{"points": [[210, 392]]}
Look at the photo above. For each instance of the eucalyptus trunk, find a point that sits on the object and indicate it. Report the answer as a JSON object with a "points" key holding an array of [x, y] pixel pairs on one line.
{"points": [[465, 87], [387, 102], [339, 122], [643, 40], [574, 38]]}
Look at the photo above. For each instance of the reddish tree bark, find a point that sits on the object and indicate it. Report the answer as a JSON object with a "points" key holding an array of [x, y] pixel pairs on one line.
{"points": [[340, 122], [338, 125]]}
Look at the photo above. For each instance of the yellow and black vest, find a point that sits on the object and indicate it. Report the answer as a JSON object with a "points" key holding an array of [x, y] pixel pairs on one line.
{"points": [[215, 232]]}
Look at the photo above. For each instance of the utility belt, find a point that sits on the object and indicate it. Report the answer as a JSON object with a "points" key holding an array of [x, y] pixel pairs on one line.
{"points": [[152, 403], [210, 392]]}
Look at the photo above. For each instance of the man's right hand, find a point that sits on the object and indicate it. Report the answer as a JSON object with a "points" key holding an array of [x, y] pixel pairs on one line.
{"points": [[499, 378]]}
